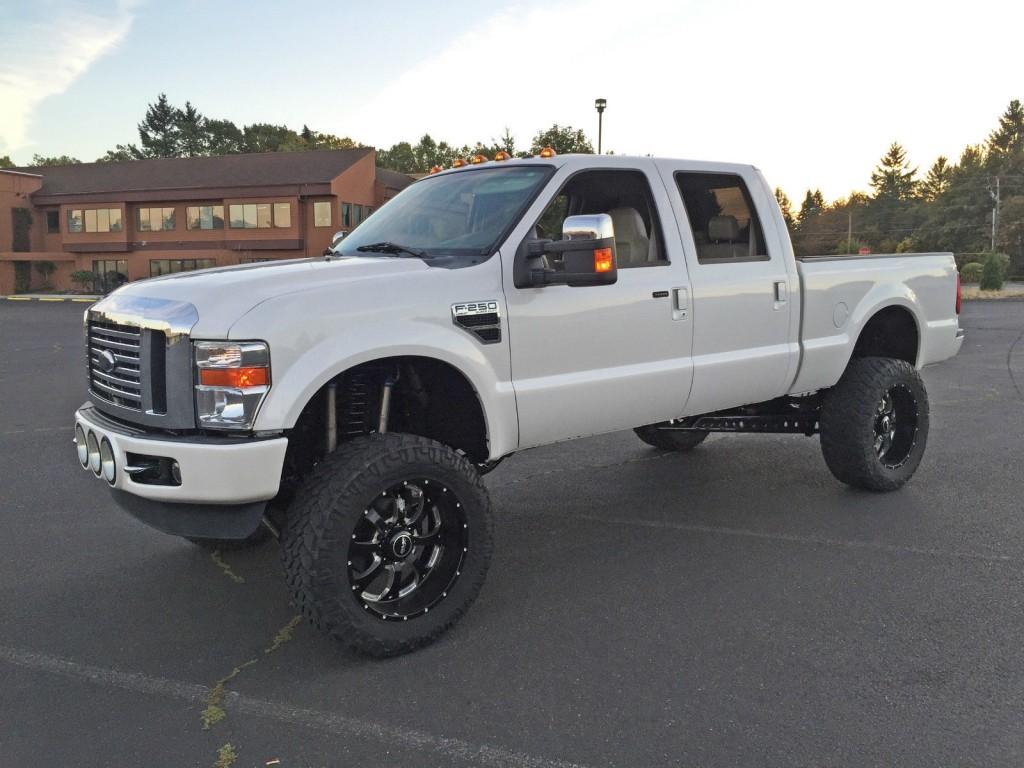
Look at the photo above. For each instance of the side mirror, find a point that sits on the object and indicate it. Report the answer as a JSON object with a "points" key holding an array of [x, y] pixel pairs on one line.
{"points": [[584, 256], [337, 238]]}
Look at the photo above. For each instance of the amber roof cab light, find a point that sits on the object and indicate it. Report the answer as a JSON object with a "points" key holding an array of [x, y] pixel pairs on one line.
{"points": [[548, 152], [459, 162], [502, 155], [436, 169], [478, 159]]}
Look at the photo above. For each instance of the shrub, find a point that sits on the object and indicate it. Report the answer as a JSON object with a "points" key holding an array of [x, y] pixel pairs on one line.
{"points": [[83, 278], [971, 273], [992, 273], [45, 269]]}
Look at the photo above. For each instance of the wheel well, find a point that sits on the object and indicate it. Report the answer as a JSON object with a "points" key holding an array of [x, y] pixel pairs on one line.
{"points": [[891, 332], [429, 397]]}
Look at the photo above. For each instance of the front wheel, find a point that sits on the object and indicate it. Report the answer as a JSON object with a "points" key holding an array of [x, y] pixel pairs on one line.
{"points": [[388, 542], [874, 424]]}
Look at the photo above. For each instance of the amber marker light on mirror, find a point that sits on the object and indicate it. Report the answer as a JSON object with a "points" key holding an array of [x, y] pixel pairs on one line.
{"points": [[239, 378], [603, 260], [548, 152]]}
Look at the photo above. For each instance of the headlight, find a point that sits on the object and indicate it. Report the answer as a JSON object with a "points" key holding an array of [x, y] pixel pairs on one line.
{"points": [[233, 379]]}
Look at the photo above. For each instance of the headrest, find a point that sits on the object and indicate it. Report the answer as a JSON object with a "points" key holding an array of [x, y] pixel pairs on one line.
{"points": [[628, 222], [723, 228]]}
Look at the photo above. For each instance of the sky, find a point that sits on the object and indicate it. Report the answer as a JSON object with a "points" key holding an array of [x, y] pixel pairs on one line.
{"points": [[812, 93]]}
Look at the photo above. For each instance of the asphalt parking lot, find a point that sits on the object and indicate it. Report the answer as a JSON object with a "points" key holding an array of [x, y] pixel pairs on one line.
{"points": [[732, 607]]}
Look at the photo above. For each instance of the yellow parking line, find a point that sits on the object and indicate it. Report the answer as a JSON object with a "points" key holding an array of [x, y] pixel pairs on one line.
{"points": [[44, 299], [18, 298], [87, 301]]}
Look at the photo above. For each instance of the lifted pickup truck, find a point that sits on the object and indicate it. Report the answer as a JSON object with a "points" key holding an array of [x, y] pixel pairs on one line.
{"points": [[349, 404]]}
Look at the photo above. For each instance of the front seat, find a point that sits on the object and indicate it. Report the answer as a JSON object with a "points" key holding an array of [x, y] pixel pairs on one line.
{"points": [[724, 234], [632, 245]]}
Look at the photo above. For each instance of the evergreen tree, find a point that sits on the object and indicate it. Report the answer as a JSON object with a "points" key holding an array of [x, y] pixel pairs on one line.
{"points": [[1008, 137], [192, 136], [400, 157], [786, 207], [265, 137], [39, 161], [937, 180], [121, 153], [893, 178], [813, 204], [158, 131], [223, 137], [6, 162]]}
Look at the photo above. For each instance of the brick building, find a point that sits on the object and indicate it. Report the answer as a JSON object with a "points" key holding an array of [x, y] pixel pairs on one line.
{"points": [[132, 220]]}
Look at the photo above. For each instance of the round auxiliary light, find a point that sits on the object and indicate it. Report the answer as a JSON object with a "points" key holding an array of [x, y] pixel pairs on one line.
{"points": [[459, 162], [94, 453], [436, 169], [80, 447], [548, 152], [502, 155], [478, 159], [108, 467]]}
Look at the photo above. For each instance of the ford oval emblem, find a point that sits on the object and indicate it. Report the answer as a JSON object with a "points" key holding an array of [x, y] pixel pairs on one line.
{"points": [[106, 361]]}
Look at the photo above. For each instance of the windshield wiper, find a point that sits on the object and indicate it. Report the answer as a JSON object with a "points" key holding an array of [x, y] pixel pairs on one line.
{"points": [[392, 248]]}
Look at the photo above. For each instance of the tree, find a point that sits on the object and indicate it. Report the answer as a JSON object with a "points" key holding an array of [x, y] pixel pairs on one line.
{"points": [[6, 162], [937, 180], [893, 178], [265, 137], [399, 157], [84, 279], [958, 220], [45, 269], [786, 207], [40, 161], [192, 138], [813, 204], [1008, 137], [223, 137], [121, 153], [1010, 238], [565, 140], [507, 142], [159, 131]]}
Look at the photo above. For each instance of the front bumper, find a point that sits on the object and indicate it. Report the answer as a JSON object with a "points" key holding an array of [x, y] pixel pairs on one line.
{"points": [[224, 486]]}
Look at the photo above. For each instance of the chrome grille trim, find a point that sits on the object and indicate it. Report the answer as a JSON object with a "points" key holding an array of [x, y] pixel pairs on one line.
{"points": [[122, 384]]}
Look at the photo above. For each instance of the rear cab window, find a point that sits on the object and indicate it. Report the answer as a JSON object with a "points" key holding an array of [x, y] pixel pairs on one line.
{"points": [[725, 224]]}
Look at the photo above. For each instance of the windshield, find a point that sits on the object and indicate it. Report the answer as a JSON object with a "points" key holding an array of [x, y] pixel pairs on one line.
{"points": [[454, 214]]}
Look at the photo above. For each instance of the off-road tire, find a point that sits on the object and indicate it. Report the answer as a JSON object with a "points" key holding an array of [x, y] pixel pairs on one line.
{"points": [[668, 440], [331, 503], [848, 423], [260, 536]]}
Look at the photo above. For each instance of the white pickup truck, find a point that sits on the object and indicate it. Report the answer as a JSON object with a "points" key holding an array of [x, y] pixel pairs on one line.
{"points": [[349, 404]]}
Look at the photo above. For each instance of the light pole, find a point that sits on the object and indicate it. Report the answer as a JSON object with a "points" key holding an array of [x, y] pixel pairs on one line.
{"points": [[599, 104]]}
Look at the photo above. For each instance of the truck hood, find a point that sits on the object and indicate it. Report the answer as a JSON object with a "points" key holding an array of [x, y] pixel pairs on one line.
{"points": [[221, 296]]}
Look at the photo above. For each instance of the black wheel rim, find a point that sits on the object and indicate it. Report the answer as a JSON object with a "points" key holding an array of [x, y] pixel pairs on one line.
{"points": [[407, 550], [896, 423]]}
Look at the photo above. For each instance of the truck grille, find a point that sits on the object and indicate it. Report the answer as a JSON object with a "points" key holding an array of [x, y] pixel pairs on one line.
{"points": [[115, 364]]}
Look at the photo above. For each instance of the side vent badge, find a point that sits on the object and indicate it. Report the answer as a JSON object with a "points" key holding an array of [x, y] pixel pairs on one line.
{"points": [[480, 318]]}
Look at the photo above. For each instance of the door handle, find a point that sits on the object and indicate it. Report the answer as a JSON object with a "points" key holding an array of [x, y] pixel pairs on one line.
{"points": [[780, 293], [680, 303]]}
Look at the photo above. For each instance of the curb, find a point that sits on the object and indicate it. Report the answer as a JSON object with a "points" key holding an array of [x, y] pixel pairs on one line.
{"points": [[77, 299]]}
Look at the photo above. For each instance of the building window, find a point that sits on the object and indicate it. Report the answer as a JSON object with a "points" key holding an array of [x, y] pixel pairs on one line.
{"points": [[346, 215], [159, 267], [52, 222], [368, 212], [109, 274], [321, 213], [205, 217], [90, 220], [156, 219], [254, 260], [259, 215]]}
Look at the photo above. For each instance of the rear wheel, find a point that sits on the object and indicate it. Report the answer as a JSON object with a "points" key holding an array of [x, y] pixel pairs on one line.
{"points": [[670, 440], [874, 424], [388, 542]]}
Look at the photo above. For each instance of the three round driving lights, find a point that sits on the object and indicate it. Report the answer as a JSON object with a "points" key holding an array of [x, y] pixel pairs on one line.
{"points": [[108, 467], [93, 449]]}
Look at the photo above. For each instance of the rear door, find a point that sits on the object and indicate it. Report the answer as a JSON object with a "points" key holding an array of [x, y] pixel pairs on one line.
{"points": [[745, 332], [592, 359]]}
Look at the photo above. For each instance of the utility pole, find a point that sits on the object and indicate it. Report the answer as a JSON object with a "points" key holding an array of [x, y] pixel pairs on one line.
{"points": [[849, 230], [599, 105], [995, 211]]}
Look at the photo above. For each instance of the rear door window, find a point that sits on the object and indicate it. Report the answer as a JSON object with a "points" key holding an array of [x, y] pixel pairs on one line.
{"points": [[722, 215]]}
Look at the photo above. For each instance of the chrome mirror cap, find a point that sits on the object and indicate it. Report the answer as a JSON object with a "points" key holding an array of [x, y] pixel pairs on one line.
{"points": [[590, 226]]}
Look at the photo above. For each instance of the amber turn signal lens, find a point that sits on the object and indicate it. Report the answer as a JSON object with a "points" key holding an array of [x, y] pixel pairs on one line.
{"points": [[603, 261], [548, 152], [502, 155], [459, 162], [239, 378], [436, 169]]}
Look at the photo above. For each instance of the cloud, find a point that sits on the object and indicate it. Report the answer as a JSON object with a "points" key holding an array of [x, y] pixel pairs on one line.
{"points": [[42, 55]]}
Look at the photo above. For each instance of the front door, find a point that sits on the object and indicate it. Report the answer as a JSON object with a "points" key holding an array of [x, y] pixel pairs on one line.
{"points": [[593, 359], [745, 344]]}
